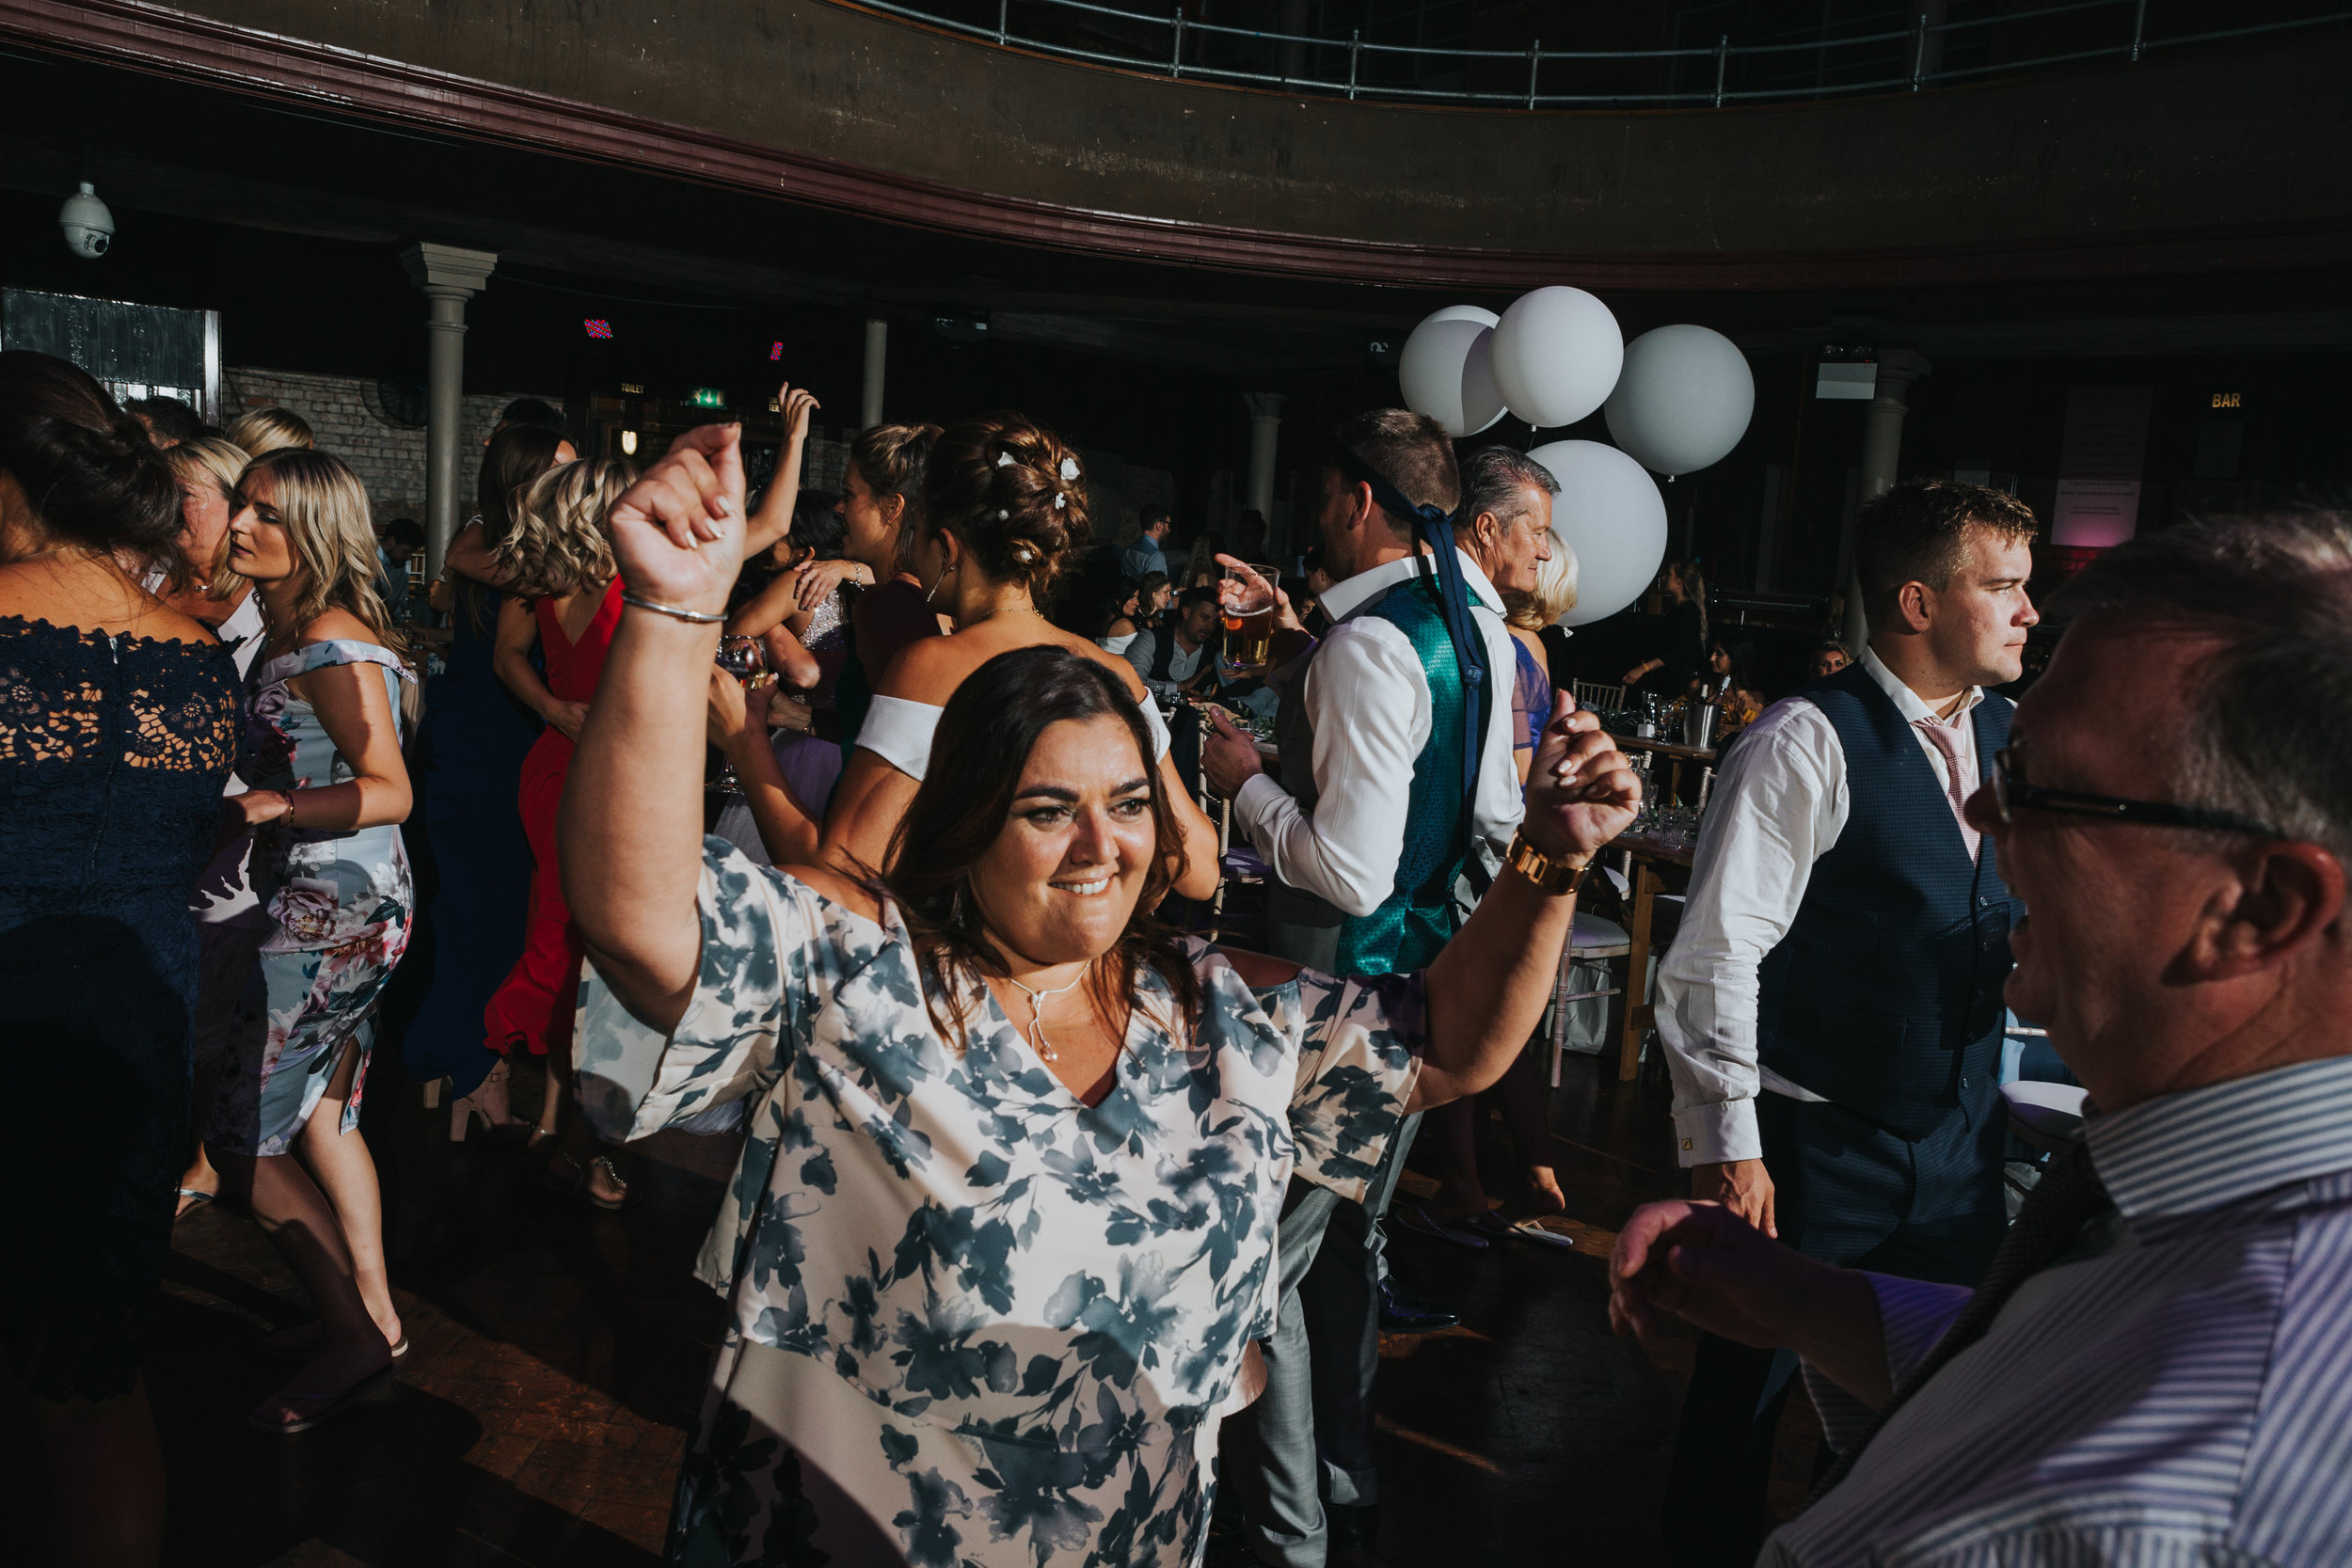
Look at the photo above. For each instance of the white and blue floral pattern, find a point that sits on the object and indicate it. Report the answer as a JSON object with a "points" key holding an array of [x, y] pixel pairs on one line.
{"points": [[1061, 1295]]}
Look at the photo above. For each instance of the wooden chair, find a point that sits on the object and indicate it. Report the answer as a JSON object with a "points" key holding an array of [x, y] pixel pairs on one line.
{"points": [[1593, 695]]}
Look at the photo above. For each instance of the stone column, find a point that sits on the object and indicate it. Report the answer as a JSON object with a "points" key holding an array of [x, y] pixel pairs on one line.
{"points": [[1266, 425], [1881, 464], [876, 356], [449, 277]]}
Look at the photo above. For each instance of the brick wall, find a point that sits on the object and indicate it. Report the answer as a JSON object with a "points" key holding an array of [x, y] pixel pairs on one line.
{"points": [[390, 461]]}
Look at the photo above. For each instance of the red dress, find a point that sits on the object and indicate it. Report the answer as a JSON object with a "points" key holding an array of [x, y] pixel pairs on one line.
{"points": [[532, 1005]]}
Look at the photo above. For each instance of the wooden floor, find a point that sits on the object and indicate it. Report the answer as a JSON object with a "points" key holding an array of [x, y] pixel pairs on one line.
{"points": [[559, 1350]]}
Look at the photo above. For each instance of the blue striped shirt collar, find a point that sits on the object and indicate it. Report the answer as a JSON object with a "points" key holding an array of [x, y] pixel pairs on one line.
{"points": [[2204, 1149]]}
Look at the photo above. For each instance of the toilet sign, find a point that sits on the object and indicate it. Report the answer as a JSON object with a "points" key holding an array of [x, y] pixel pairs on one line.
{"points": [[2100, 467]]}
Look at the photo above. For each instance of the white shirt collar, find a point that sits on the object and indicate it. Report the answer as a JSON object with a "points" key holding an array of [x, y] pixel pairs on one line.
{"points": [[1342, 599], [1907, 702]]}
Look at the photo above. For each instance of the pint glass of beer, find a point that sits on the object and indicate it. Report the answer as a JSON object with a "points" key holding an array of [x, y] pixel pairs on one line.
{"points": [[1246, 599]]}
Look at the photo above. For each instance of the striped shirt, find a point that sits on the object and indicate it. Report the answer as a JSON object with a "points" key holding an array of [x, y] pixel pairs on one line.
{"points": [[2176, 1391]]}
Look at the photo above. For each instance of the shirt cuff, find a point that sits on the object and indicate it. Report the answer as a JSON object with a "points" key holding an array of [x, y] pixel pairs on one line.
{"points": [[1254, 799], [1912, 1315], [1717, 1133]]}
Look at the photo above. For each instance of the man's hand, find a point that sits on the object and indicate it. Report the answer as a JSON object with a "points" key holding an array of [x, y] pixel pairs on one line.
{"points": [[1581, 792], [1743, 1186], [1229, 757], [678, 532], [1706, 1265], [1285, 618]]}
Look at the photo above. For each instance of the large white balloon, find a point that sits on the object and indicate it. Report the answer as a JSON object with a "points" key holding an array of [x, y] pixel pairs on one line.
{"points": [[1446, 371], [1557, 354], [1684, 400], [1610, 513]]}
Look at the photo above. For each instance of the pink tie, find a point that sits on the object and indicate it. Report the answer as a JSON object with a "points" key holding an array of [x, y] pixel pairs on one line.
{"points": [[1947, 741]]}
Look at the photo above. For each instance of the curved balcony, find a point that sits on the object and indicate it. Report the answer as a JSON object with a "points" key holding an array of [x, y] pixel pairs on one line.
{"points": [[2176, 164]]}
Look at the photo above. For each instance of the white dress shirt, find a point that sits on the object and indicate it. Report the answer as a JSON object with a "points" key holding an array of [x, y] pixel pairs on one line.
{"points": [[1368, 702], [1777, 807], [2177, 1391], [1143, 650]]}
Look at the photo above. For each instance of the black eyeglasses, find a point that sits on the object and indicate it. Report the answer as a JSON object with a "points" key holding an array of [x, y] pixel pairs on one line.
{"points": [[2011, 793]]}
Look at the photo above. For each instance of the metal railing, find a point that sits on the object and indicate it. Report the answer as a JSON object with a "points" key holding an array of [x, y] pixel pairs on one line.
{"points": [[1911, 58]]}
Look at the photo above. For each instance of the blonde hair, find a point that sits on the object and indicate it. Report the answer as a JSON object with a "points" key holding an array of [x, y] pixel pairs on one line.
{"points": [[1554, 595], [558, 545], [220, 463], [323, 509], [263, 431]]}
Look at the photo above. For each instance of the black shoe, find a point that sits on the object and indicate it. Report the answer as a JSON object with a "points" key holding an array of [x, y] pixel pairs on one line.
{"points": [[1402, 1312], [1352, 1528]]}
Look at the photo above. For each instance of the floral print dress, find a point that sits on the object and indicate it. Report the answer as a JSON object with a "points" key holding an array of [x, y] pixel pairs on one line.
{"points": [[1002, 1324], [340, 907]]}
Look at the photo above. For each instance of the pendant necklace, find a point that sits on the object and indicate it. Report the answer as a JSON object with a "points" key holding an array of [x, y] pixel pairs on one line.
{"points": [[1036, 1010]]}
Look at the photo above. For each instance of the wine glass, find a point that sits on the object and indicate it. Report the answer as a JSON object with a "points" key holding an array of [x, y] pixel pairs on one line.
{"points": [[742, 657]]}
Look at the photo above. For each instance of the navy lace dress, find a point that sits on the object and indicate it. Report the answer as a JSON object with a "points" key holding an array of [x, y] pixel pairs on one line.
{"points": [[112, 753]]}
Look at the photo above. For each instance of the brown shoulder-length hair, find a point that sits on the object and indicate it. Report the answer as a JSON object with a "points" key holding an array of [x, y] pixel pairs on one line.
{"points": [[978, 753]]}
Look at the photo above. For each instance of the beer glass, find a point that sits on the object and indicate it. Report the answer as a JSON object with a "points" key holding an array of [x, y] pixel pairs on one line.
{"points": [[1246, 599]]}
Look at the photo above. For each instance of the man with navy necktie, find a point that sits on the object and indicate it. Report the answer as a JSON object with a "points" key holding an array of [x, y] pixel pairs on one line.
{"points": [[1830, 1008]]}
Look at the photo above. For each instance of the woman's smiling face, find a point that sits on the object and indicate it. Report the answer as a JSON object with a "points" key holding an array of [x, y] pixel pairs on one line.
{"points": [[1062, 879]]}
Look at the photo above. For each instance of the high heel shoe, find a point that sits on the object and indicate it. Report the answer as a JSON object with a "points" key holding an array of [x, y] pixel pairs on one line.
{"points": [[487, 1104]]}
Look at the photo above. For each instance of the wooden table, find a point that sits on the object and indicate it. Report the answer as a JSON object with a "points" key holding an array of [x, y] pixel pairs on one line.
{"points": [[1674, 751], [1648, 852]]}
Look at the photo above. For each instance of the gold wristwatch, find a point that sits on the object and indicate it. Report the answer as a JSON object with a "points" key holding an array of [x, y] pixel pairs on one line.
{"points": [[1554, 877]]}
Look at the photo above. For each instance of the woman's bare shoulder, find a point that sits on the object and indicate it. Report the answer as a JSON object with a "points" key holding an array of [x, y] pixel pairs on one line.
{"points": [[836, 887]]}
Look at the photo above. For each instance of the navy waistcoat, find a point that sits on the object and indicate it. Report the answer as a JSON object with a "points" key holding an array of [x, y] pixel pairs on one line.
{"points": [[1886, 995]]}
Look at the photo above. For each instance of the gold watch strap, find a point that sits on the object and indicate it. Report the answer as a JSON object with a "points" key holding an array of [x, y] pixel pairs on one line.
{"points": [[1554, 877]]}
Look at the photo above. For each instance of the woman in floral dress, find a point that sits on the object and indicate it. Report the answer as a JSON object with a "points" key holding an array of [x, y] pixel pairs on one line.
{"points": [[328, 792], [1004, 1229]]}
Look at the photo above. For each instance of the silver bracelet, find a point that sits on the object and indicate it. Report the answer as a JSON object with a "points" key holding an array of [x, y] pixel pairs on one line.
{"points": [[673, 611]]}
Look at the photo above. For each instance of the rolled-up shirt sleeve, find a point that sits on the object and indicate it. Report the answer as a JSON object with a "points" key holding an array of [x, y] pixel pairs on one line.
{"points": [[1778, 807], [1369, 704]]}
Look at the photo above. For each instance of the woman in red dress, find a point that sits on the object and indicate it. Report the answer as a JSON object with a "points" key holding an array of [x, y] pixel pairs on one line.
{"points": [[566, 596]]}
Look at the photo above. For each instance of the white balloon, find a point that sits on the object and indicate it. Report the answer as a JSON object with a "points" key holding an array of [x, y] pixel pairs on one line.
{"points": [[1446, 372], [1557, 354], [1610, 513], [1465, 313], [1684, 400]]}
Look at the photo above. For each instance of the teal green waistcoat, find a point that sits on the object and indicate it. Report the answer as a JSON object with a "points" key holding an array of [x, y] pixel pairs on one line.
{"points": [[1414, 921]]}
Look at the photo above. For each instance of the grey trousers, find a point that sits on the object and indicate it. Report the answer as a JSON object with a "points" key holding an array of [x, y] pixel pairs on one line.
{"points": [[1311, 1430]]}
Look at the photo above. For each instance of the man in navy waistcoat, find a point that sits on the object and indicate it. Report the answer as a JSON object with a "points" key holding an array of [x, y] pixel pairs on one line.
{"points": [[1831, 1008]]}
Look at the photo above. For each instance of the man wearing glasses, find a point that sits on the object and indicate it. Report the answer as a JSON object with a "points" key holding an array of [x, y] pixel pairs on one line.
{"points": [[1832, 1006], [2157, 1367]]}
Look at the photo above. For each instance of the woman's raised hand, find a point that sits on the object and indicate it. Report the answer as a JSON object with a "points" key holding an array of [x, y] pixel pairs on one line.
{"points": [[1580, 791], [678, 532], [797, 404]]}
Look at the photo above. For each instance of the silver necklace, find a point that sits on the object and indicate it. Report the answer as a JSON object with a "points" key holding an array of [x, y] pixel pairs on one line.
{"points": [[1036, 1010]]}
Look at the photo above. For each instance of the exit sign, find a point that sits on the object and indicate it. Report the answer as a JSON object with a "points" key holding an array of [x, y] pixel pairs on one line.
{"points": [[707, 397]]}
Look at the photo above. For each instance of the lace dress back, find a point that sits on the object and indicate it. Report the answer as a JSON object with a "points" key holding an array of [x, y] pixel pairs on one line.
{"points": [[112, 753]]}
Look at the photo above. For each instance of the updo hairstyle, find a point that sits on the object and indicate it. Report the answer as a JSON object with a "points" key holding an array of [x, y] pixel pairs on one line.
{"points": [[1014, 495], [89, 470], [892, 459], [263, 431]]}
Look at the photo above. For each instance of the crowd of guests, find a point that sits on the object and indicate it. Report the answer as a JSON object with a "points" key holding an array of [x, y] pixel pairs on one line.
{"points": [[1049, 1217]]}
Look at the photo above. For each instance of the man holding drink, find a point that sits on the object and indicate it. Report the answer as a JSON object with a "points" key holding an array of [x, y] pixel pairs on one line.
{"points": [[1395, 742]]}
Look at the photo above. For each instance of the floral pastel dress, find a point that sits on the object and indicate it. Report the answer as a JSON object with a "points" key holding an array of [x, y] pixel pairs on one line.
{"points": [[1002, 1324], [340, 907]]}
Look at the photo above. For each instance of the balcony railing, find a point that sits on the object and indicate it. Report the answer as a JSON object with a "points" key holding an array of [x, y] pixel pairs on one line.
{"points": [[1921, 53]]}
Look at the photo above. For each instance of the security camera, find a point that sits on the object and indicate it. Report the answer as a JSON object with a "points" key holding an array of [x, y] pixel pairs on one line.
{"points": [[89, 227]]}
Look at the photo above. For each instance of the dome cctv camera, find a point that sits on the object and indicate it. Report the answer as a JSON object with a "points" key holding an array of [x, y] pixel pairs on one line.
{"points": [[89, 227]]}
